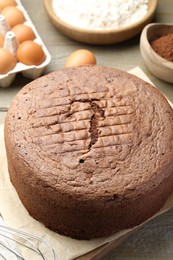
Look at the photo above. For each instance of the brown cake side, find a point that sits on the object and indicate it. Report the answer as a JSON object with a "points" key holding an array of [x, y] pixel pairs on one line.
{"points": [[90, 150]]}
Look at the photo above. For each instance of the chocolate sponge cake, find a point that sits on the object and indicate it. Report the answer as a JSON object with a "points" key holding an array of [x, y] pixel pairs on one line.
{"points": [[90, 150]]}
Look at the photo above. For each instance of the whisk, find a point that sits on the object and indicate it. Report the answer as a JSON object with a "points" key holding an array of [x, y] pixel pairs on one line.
{"points": [[12, 239]]}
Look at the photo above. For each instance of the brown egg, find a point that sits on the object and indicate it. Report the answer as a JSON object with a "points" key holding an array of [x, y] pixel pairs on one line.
{"points": [[1, 40], [23, 32], [4, 3], [7, 61], [80, 57], [13, 15], [30, 53]]}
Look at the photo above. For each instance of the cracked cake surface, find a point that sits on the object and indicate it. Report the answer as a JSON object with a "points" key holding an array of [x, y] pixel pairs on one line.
{"points": [[90, 150]]}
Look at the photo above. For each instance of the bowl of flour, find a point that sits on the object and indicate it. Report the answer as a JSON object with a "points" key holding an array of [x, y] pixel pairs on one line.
{"points": [[100, 22]]}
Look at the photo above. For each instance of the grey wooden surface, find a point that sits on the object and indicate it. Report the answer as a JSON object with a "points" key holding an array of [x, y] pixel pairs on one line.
{"points": [[155, 240]]}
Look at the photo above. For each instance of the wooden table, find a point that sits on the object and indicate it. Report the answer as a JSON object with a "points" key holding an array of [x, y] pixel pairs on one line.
{"points": [[155, 240]]}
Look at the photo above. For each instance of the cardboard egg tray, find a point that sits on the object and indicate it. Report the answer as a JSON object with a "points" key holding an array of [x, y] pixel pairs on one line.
{"points": [[11, 44]]}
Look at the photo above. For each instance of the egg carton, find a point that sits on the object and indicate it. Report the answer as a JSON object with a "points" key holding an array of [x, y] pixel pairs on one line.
{"points": [[11, 44]]}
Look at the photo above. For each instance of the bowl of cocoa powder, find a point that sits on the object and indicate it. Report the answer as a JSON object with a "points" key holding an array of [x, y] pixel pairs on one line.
{"points": [[156, 46]]}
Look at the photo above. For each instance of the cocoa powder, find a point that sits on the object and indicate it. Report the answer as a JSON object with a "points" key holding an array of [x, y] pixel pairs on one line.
{"points": [[164, 46]]}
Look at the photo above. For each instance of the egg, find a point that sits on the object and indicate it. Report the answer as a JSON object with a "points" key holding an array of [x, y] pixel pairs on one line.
{"points": [[23, 33], [1, 40], [30, 53], [13, 15], [4, 3], [7, 61], [80, 57]]}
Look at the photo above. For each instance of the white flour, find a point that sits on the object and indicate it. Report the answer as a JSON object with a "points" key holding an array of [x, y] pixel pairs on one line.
{"points": [[100, 14]]}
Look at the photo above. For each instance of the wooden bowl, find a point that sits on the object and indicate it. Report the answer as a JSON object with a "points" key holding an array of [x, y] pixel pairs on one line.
{"points": [[160, 67], [100, 37]]}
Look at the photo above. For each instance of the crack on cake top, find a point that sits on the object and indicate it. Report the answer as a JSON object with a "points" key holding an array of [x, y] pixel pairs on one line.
{"points": [[98, 112]]}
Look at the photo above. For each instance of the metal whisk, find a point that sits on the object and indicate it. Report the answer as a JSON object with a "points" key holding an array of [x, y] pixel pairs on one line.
{"points": [[11, 239]]}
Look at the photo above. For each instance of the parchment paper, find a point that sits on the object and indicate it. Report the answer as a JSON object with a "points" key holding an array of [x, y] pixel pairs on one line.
{"points": [[16, 216]]}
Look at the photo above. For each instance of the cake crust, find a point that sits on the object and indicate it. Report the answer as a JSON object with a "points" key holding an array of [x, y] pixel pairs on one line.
{"points": [[90, 151]]}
